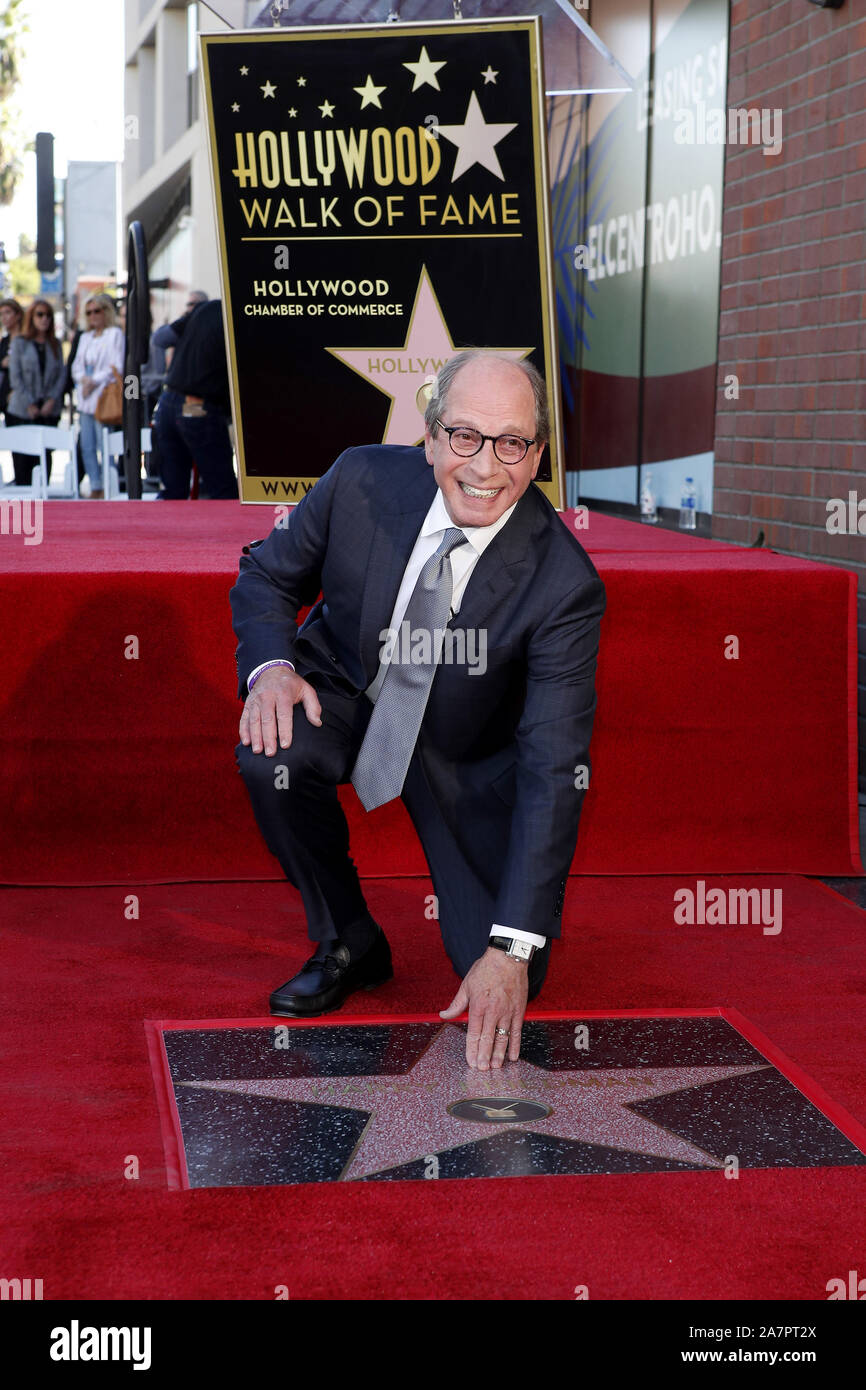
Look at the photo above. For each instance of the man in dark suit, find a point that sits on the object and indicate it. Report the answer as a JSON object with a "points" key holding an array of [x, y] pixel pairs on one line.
{"points": [[421, 554]]}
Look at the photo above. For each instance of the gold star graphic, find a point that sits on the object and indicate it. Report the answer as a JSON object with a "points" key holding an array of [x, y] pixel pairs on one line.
{"points": [[369, 93], [326, 108], [235, 106], [489, 75], [424, 72], [302, 81], [292, 111], [244, 72], [268, 89]]}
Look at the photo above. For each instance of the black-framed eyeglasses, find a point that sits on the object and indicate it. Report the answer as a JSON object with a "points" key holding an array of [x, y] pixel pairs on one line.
{"points": [[508, 448]]}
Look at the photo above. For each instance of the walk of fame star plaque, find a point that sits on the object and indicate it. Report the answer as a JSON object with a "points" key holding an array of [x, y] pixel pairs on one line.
{"points": [[382, 202], [264, 1104]]}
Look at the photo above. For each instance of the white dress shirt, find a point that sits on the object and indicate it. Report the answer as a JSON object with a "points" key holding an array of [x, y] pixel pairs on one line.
{"points": [[463, 561]]}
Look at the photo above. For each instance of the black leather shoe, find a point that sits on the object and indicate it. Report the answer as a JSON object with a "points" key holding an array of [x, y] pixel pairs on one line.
{"points": [[329, 977]]}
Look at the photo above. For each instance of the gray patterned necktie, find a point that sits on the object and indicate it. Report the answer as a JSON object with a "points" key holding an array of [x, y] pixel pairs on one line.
{"points": [[386, 752]]}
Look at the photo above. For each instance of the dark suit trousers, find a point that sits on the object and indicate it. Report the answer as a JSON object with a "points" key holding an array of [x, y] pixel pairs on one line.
{"points": [[294, 797]]}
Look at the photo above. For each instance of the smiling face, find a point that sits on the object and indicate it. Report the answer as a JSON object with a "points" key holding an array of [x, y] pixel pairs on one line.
{"points": [[493, 396]]}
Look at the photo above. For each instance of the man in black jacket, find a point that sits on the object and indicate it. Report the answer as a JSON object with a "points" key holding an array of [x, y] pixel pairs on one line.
{"points": [[192, 415]]}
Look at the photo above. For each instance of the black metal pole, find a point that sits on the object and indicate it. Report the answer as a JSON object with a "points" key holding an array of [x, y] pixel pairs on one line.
{"points": [[137, 348]]}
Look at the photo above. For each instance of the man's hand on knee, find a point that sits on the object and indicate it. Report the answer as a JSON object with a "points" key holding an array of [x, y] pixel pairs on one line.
{"points": [[494, 991], [269, 709]]}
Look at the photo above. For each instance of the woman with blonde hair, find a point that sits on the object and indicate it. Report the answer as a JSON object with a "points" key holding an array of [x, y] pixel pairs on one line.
{"points": [[37, 374], [100, 353]]}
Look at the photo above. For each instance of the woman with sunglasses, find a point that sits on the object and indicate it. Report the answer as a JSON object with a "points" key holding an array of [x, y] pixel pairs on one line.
{"points": [[37, 374], [100, 352]]}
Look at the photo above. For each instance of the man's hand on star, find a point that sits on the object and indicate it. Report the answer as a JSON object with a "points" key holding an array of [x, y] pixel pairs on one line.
{"points": [[270, 707], [495, 992]]}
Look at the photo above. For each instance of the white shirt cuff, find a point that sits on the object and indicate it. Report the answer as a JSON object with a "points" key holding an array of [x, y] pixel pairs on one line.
{"points": [[531, 937], [277, 660]]}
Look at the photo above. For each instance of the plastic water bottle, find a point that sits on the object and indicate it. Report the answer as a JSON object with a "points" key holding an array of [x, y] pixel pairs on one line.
{"points": [[688, 506], [648, 511]]}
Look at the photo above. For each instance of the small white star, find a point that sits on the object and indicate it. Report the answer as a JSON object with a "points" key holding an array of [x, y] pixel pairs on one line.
{"points": [[268, 89], [292, 111], [476, 140], [489, 75], [302, 81], [326, 108], [244, 72], [369, 93], [235, 106], [424, 72]]}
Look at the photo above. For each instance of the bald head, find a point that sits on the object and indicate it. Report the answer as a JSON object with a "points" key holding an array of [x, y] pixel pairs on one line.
{"points": [[462, 361]]}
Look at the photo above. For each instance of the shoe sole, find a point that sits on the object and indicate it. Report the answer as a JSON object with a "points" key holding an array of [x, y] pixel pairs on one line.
{"points": [[335, 1008]]}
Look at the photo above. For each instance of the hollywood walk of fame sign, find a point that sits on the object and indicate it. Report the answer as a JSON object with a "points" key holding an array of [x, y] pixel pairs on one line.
{"points": [[381, 197], [289, 1103]]}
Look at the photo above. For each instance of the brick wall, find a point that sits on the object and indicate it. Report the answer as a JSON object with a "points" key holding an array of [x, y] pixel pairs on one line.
{"points": [[793, 291]]}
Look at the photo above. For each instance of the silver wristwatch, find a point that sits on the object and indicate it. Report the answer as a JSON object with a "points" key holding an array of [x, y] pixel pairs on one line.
{"points": [[518, 950]]}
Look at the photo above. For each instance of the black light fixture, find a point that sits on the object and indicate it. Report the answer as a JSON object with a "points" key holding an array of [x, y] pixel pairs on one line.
{"points": [[828, 4]]}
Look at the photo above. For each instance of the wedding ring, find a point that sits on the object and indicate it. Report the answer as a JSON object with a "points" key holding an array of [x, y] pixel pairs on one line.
{"points": [[503, 1032]]}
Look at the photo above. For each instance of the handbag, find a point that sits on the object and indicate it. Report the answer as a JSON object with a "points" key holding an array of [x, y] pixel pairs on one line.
{"points": [[109, 407]]}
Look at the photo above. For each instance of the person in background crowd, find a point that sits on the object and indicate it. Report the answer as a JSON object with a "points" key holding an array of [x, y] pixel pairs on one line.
{"points": [[69, 390], [192, 416], [37, 373], [99, 351], [168, 336], [11, 320]]}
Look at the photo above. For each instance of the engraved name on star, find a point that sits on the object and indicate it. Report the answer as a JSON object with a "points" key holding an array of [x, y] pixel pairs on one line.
{"points": [[369, 93], [409, 1119], [424, 72], [268, 89], [476, 140]]}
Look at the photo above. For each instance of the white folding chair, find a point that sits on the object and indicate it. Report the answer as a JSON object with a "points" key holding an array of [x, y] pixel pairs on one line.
{"points": [[112, 450], [26, 439], [37, 440]]}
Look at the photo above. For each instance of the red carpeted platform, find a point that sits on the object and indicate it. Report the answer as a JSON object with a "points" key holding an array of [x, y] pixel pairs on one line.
{"points": [[85, 1202], [119, 714]]}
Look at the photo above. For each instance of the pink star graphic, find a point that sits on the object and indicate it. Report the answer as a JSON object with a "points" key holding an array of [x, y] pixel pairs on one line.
{"points": [[399, 372]]}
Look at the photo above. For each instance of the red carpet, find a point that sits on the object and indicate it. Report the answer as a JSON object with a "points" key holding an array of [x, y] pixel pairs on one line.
{"points": [[81, 977], [119, 715]]}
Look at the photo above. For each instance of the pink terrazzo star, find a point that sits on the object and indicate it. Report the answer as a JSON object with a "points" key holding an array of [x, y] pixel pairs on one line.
{"points": [[409, 1119]]}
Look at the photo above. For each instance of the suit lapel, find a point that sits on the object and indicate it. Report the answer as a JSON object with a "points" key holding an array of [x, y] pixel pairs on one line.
{"points": [[397, 527], [493, 577], [394, 537]]}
